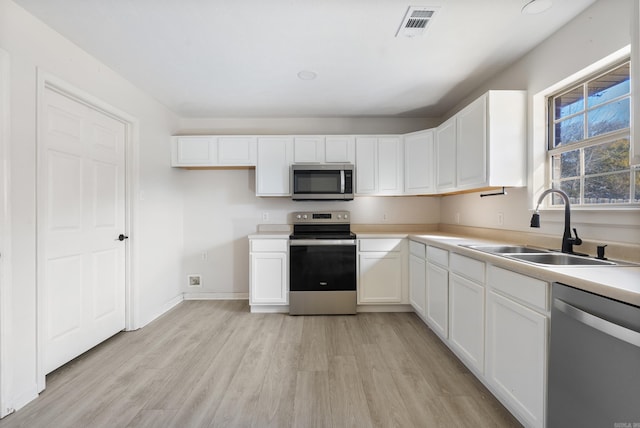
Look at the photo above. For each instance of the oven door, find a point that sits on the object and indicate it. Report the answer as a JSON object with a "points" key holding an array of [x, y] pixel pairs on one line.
{"points": [[322, 265]]}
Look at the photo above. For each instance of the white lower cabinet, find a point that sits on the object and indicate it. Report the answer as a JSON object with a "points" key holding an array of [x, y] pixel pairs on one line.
{"points": [[269, 284], [438, 299], [517, 347], [381, 272], [418, 277], [466, 320]]}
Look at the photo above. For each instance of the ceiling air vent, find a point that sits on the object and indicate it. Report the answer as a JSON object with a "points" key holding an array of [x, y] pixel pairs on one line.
{"points": [[415, 21]]}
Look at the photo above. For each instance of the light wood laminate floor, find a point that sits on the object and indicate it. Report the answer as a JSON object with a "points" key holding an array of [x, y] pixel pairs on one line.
{"points": [[214, 364]]}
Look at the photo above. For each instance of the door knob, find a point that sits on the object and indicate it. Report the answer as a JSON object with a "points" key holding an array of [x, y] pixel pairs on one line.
{"points": [[122, 237]]}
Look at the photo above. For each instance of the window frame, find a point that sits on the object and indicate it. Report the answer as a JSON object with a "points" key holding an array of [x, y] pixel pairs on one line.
{"points": [[586, 141]]}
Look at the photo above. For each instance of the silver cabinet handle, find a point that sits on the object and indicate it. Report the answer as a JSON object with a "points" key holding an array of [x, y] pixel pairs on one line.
{"points": [[607, 327]]}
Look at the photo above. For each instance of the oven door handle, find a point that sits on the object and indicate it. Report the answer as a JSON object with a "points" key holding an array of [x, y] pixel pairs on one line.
{"points": [[318, 242], [607, 327]]}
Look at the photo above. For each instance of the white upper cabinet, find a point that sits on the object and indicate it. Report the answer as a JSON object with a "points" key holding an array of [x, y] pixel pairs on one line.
{"points": [[366, 165], [340, 149], [308, 149], [237, 151], [491, 141], [212, 151], [418, 163], [275, 155], [484, 145], [379, 166], [193, 151], [471, 153], [445, 154]]}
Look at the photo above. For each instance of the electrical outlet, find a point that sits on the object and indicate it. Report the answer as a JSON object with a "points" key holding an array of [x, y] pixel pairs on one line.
{"points": [[500, 219], [204, 256], [194, 280], [457, 218], [384, 217], [265, 216]]}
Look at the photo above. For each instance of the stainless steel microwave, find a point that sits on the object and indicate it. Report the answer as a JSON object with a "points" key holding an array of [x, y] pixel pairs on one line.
{"points": [[322, 181]]}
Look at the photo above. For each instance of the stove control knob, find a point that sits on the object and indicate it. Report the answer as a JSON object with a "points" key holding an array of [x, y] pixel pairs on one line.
{"points": [[298, 216], [339, 216], [346, 216], [304, 216]]}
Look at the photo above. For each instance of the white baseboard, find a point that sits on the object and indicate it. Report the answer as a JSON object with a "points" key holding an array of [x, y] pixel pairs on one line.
{"points": [[216, 296], [165, 308], [25, 398]]}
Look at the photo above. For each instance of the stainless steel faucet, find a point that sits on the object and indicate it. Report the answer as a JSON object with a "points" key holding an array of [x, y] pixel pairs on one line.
{"points": [[567, 240]]}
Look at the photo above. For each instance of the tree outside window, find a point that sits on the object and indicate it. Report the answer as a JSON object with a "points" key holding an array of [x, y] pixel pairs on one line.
{"points": [[589, 134]]}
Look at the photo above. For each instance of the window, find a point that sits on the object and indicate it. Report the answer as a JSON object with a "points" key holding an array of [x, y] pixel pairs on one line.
{"points": [[588, 144]]}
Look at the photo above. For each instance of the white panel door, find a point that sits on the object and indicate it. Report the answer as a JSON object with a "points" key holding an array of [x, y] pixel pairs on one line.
{"points": [[81, 196]]}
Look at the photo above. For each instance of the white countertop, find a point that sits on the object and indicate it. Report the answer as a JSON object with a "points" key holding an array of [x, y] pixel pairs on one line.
{"points": [[617, 282]]}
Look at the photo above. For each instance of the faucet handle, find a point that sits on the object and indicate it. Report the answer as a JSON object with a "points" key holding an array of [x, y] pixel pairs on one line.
{"points": [[576, 240]]}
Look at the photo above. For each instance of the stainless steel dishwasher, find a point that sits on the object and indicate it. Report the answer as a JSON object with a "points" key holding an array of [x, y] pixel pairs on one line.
{"points": [[594, 361]]}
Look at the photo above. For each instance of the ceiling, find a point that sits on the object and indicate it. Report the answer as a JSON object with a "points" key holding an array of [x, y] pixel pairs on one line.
{"points": [[241, 58]]}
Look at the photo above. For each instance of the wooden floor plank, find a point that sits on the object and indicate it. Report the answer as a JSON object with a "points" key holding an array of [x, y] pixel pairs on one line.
{"points": [[212, 363]]}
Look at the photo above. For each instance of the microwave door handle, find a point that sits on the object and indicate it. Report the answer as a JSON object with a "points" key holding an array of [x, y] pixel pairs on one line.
{"points": [[342, 181]]}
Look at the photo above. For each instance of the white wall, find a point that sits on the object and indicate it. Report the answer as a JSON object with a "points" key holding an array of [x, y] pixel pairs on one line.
{"points": [[158, 236], [221, 209], [598, 32]]}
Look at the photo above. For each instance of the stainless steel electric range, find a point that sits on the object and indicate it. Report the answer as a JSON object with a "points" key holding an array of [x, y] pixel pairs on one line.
{"points": [[322, 264]]}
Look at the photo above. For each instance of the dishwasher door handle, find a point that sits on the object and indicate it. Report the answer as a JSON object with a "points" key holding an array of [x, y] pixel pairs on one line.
{"points": [[607, 327]]}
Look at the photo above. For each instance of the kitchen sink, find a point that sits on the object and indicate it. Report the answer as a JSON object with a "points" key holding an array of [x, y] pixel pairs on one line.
{"points": [[506, 249], [560, 259]]}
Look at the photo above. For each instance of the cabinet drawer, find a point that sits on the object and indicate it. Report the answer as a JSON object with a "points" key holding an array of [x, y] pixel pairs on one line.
{"points": [[380, 244], [467, 267], [529, 290], [438, 256], [418, 249], [262, 245]]}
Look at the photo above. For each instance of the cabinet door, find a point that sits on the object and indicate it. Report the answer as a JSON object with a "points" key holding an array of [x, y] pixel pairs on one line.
{"points": [[272, 169], [390, 166], [438, 299], [380, 278], [418, 163], [466, 320], [418, 284], [366, 165], [268, 279], [471, 134], [340, 149], [516, 355], [193, 151], [446, 156], [308, 149], [237, 151]]}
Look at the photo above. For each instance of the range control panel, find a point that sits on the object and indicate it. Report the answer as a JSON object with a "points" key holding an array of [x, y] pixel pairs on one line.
{"points": [[310, 217]]}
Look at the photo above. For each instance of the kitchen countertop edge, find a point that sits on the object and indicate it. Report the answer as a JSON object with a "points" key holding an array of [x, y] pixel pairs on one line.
{"points": [[621, 283]]}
